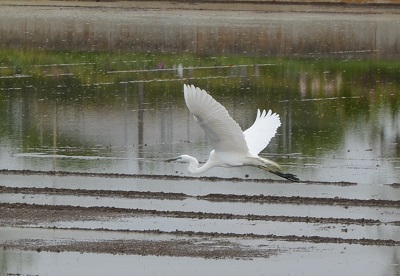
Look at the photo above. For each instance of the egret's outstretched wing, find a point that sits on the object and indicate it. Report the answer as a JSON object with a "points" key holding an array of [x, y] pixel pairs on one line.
{"points": [[225, 134], [262, 131]]}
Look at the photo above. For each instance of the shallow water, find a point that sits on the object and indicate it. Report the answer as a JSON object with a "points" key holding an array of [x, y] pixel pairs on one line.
{"points": [[103, 94], [330, 132], [334, 128], [335, 260]]}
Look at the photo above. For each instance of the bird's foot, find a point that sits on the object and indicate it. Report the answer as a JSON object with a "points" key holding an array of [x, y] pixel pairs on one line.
{"points": [[287, 176]]}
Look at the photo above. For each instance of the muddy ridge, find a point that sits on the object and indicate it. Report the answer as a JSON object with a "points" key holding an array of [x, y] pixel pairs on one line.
{"points": [[199, 248], [42, 213], [124, 246], [265, 199], [187, 243], [163, 177]]}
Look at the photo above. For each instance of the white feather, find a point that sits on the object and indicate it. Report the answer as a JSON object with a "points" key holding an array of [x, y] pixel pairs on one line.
{"points": [[262, 131], [225, 134]]}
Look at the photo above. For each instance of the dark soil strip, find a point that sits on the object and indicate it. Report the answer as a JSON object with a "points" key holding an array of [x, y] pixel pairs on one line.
{"points": [[22, 213], [290, 238], [162, 177], [304, 200], [95, 193], [211, 236], [263, 199], [394, 185], [215, 248]]}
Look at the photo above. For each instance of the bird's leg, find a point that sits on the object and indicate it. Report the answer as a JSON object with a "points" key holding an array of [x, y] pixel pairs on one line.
{"points": [[287, 176]]}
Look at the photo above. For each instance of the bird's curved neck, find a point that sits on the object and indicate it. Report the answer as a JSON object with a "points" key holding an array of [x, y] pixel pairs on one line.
{"points": [[194, 165]]}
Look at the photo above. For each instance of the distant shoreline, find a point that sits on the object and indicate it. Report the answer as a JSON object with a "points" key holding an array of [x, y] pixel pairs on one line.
{"points": [[288, 30], [317, 6]]}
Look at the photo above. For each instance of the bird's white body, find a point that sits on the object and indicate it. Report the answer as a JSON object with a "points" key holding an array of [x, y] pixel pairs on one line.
{"points": [[232, 146], [224, 159]]}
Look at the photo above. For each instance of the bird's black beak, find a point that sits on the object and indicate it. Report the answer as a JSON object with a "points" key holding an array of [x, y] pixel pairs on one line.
{"points": [[171, 160]]}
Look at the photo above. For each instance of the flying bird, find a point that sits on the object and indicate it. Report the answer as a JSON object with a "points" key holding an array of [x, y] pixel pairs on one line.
{"points": [[232, 146]]}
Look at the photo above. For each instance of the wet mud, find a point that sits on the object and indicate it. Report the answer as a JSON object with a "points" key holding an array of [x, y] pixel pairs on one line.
{"points": [[164, 177], [184, 243], [209, 197], [187, 248], [181, 242]]}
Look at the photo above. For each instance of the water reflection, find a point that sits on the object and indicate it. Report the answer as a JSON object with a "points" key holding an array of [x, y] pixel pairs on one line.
{"points": [[105, 93], [340, 120]]}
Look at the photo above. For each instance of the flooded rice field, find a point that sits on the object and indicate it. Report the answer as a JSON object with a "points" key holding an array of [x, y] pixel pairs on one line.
{"points": [[91, 107]]}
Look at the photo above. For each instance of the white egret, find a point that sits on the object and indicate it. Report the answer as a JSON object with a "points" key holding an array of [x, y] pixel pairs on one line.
{"points": [[232, 146]]}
